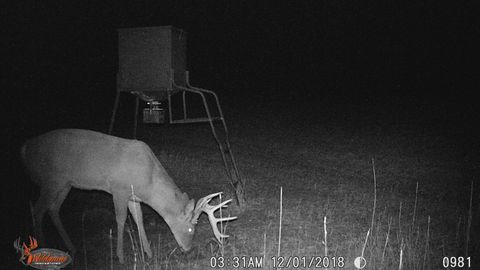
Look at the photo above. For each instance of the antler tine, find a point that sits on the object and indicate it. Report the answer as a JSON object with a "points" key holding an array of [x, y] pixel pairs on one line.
{"points": [[223, 204], [205, 200]]}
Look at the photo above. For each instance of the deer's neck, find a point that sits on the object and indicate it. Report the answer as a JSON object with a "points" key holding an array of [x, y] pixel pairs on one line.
{"points": [[163, 194], [167, 199]]}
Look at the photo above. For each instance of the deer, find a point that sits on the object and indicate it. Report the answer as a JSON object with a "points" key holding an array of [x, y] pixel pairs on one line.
{"points": [[62, 159]]}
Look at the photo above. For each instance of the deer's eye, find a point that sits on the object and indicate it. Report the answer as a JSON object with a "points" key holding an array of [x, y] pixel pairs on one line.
{"points": [[190, 230]]}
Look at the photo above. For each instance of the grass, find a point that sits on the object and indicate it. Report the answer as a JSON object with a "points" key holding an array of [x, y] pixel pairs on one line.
{"points": [[406, 211]]}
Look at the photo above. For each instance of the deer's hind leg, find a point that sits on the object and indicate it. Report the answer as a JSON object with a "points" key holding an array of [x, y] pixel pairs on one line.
{"points": [[51, 198], [39, 210], [54, 211]]}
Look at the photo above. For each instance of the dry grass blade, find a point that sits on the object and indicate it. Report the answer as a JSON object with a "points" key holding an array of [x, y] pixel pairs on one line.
{"points": [[325, 235], [400, 263], [386, 242], [280, 222], [374, 194], [425, 257], [415, 206], [469, 223]]}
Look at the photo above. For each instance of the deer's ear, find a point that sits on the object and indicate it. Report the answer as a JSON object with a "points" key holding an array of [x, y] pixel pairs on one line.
{"points": [[190, 207]]}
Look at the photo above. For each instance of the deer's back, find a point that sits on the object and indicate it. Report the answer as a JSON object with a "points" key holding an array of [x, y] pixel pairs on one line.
{"points": [[85, 159]]}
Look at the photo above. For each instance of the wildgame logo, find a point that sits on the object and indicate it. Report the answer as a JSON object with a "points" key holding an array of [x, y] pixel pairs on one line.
{"points": [[42, 258]]}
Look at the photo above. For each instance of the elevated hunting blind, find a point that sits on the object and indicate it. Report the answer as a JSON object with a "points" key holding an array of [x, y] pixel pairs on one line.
{"points": [[149, 57]]}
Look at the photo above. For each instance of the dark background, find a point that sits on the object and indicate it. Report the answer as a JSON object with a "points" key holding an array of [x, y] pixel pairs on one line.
{"points": [[360, 64], [411, 59]]}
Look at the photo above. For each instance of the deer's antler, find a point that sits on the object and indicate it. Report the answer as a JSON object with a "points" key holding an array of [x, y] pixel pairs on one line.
{"points": [[203, 206]]}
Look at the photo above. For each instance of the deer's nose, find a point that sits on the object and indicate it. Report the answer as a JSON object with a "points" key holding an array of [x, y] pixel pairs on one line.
{"points": [[186, 250]]}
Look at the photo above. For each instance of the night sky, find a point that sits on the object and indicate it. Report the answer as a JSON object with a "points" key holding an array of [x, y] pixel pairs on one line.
{"points": [[367, 54], [373, 63]]}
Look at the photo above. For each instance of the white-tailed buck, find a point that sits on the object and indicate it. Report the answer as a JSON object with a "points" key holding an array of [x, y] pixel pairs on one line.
{"points": [[127, 169]]}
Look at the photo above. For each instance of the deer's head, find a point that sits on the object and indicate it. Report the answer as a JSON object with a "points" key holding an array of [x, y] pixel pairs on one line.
{"points": [[183, 226]]}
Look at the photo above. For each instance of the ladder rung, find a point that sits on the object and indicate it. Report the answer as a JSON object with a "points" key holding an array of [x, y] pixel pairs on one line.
{"points": [[195, 120]]}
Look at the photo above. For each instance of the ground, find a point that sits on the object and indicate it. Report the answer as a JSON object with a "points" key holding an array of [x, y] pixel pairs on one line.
{"points": [[326, 173]]}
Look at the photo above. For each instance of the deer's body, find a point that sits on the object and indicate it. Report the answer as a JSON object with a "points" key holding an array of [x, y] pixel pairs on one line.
{"points": [[127, 169], [89, 160]]}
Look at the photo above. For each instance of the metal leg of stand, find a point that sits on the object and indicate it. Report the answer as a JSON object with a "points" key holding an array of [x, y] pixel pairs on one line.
{"points": [[227, 141], [114, 112], [220, 146], [170, 117], [184, 106], [135, 118]]}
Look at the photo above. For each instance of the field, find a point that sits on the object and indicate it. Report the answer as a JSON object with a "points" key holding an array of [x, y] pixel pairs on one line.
{"points": [[419, 198]]}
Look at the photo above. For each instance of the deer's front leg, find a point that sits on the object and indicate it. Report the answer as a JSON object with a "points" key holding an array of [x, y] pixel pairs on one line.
{"points": [[136, 211]]}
